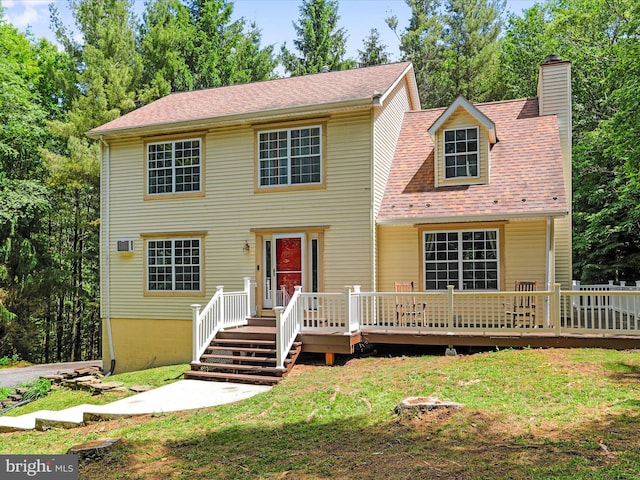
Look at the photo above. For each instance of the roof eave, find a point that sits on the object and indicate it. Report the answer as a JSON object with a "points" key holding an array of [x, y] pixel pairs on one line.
{"points": [[472, 218], [407, 75]]}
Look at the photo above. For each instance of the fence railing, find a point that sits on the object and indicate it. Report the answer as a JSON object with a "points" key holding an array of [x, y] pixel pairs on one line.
{"points": [[224, 310], [450, 311], [587, 309], [288, 326]]}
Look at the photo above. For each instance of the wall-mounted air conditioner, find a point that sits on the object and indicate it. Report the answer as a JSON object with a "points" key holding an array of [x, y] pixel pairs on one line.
{"points": [[124, 245]]}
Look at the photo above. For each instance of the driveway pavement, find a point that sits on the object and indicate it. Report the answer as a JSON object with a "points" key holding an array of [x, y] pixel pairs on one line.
{"points": [[12, 377]]}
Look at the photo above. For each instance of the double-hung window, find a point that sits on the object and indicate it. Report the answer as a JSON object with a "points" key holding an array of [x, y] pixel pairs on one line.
{"points": [[174, 265], [290, 156], [468, 260], [174, 166], [461, 153]]}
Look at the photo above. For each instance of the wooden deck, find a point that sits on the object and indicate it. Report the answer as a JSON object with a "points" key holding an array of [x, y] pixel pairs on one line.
{"points": [[322, 342]]}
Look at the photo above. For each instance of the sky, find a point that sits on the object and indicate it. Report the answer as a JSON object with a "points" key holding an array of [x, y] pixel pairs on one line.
{"points": [[274, 17]]}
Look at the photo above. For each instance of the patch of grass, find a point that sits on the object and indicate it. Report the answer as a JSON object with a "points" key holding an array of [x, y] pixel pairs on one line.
{"points": [[12, 361], [5, 392], [533, 414]]}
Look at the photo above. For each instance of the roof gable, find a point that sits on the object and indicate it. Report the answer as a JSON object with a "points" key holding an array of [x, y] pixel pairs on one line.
{"points": [[480, 117]]}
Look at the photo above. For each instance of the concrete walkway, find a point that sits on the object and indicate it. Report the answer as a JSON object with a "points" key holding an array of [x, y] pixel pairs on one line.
{"points": [[181, 395]]}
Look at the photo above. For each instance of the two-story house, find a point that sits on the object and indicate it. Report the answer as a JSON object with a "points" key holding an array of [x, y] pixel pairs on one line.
{"points": [[324, 181]]}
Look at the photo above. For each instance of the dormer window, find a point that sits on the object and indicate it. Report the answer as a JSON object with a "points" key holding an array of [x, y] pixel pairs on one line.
{"points": [[462, 137], [461, 152]]}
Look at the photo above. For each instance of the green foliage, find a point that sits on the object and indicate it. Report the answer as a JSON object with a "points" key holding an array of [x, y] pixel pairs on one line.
{"points": [[375, 52], [37, 389], [602, 42], [8, 361], [454, 49], [319, 43], [199, 46]]}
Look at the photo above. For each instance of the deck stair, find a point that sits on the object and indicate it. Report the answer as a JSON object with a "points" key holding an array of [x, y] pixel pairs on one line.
{"points": [[244, 354]]}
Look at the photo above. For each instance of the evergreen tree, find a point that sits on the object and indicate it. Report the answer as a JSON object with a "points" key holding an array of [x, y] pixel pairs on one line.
{"points": [[602, 40], [24, 200], [375, 52], [166, 44], [454, 49], [199, 46], [319, 43], [101, 86]]}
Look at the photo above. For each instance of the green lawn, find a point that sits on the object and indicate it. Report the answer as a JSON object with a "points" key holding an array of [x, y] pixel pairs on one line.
{"points": [[534, 414]]}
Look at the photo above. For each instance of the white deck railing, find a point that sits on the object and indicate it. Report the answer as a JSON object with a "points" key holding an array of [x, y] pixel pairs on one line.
{"points": [[603, 308], [588, 309], [288, 326], [451, 311], [224, 310]]}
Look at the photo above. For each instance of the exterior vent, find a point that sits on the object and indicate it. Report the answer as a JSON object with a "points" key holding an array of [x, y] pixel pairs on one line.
{"points": [[124, 245]]}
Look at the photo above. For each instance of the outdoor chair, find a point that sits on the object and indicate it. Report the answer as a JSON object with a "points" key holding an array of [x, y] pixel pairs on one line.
{"points": [[523, 309], [409, 312]]}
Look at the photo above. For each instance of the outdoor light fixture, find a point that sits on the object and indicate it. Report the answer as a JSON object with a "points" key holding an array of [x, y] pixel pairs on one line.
{"points": [[246, 248]]}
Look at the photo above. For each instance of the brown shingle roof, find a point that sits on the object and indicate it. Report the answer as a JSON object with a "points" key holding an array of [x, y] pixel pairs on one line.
{"points": [[267, 96], [526, 176]]}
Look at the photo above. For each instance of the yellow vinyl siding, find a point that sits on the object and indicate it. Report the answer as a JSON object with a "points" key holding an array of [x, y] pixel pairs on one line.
{"points": [[386, 131], [525, 253], [522, 252], [398, 256], [462, 119], [141, 343], [230, 210]]}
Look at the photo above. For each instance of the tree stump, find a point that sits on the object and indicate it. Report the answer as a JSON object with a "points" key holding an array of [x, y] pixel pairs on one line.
{"points": [[94, 450]]}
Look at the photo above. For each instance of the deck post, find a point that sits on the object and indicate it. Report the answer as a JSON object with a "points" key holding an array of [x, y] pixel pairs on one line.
{"points": [[450, 323], [347, 307], [279, 358], [247, 291], [195, 339], [556, 310], [220, 289]]}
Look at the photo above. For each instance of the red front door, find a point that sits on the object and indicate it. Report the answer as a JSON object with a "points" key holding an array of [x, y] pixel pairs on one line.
{"points": [[288, 263]]}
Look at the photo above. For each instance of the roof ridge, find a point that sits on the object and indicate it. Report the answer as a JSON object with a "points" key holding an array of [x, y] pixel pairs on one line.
{"points": [[280, 79]]}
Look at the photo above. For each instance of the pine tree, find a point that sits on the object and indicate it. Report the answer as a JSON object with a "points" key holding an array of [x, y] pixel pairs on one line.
{"points": [[454, 49], [375, 52], [319, 43]]}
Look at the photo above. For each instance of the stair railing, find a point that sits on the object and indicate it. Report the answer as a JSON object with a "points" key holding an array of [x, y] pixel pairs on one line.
{"points": [[224, 310], [288, 326]]}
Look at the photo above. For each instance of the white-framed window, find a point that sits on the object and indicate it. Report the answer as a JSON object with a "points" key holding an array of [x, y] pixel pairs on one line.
{"points": [[174, 166], [174, 265], [461, 153], [467, 259], [290, 156]]}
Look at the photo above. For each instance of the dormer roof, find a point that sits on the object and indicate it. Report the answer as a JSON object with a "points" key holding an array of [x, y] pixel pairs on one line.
{"points": [[527, 179], [462, 102]]}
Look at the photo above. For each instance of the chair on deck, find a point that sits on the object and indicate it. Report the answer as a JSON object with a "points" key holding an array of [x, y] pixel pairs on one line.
{"points": [[408, 311], [523, 310]]}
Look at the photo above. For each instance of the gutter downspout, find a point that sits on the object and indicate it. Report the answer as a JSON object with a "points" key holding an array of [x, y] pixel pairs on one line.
{"points": [[548, 280], [106, 294]]}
